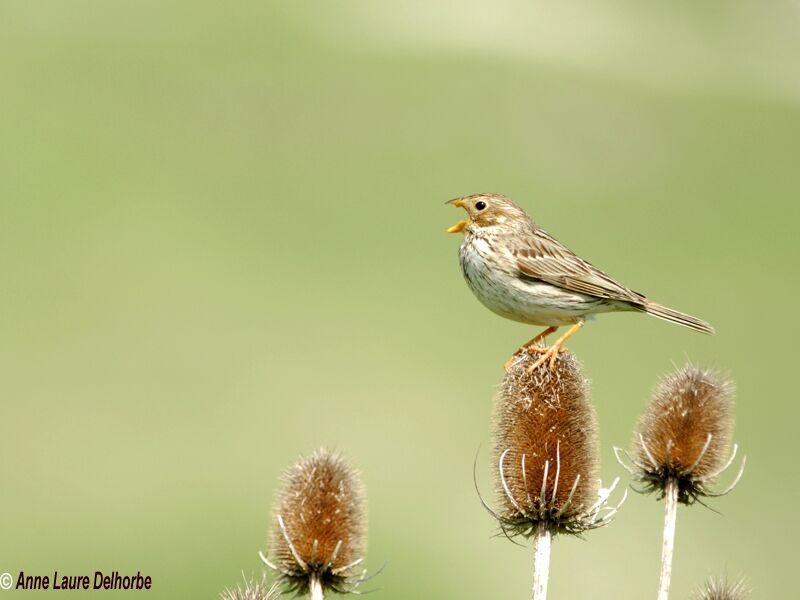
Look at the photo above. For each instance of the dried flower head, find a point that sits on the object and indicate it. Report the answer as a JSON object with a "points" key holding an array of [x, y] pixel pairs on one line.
{"points": [[252, 590], [685, 434], [319, 526], [720, 588], [546, 451]]}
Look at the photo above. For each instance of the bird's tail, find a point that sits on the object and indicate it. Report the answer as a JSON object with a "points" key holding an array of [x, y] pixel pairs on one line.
{"points": [[662, 312]]}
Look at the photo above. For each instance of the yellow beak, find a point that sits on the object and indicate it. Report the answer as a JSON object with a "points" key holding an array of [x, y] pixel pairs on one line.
{"points": [[458, 227]]}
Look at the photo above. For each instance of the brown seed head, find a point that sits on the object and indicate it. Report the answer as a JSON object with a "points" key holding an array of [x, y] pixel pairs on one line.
{"points": [[720, 588], [319, 524], [685, 433], [545, 449]]}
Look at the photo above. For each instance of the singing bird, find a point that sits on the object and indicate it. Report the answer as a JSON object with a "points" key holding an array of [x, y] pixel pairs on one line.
{"points": [[520, 272]]}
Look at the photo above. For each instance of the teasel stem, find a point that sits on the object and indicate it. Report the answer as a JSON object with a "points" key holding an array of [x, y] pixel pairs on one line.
{"points": [[541, 565], [315, 588], [668, 545]]}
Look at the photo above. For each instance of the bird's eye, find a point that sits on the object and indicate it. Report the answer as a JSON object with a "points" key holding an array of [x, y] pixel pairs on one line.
{"points": [[480, 205]]}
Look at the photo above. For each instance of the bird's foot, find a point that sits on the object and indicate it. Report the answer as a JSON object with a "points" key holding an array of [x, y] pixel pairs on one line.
{"points": [[531, 346], [550, 353], [534, 349], [545, 351]]}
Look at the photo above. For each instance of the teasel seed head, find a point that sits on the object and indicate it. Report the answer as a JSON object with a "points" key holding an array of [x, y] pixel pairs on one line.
{"points": [[545, 451], [319, 526], [685, 434], [252, 590], [721, 588]]}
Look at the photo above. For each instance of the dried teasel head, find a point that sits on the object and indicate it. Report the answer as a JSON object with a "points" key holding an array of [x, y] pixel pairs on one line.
{"points": [[721, 588], [545, 451], [318, 537], [252, 590], [684, 436]]}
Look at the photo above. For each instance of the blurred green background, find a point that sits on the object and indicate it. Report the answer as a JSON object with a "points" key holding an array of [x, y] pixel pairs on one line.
{"points": [[222, 245]]}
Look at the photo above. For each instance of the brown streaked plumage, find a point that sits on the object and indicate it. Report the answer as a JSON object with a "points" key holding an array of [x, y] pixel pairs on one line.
{"points": [[520, 272]]}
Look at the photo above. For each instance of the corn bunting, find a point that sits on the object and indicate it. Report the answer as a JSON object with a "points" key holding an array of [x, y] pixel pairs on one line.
{"points": [[521, 273]]}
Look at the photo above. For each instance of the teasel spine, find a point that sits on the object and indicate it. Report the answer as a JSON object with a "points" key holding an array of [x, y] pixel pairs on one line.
{"points": [[722, 588], [252, 590]]}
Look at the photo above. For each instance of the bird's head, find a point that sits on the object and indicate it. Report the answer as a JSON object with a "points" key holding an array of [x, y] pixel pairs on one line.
{"points": [[488, 210]]}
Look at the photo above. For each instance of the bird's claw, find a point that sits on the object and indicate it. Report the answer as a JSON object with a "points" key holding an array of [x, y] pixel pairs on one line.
{"points": [[534, 349], [547, 353], [529, 348]]}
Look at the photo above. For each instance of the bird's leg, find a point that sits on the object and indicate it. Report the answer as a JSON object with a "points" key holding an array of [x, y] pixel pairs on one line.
{"points": [[530, 346], [552, 351]]}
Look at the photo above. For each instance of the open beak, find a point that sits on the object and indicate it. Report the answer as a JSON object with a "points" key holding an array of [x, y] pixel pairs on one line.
{"points": [[458, 227]]}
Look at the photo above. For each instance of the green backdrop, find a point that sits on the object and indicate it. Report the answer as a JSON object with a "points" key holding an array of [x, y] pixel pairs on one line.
{"points": [[222, 245]]}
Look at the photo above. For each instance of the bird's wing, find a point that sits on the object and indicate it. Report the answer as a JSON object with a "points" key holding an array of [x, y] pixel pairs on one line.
{"points": [[544, 258]]}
